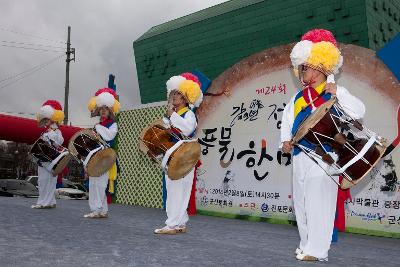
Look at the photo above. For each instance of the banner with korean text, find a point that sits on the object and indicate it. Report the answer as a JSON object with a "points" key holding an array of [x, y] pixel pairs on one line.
{"points": [[244, 172]]}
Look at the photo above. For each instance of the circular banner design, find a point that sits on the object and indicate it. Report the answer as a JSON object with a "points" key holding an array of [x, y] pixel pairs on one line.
{"points": [[244, 172]]}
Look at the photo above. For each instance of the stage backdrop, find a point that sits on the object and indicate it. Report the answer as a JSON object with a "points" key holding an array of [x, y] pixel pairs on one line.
{"points": [[243, 172], [140, 180]]}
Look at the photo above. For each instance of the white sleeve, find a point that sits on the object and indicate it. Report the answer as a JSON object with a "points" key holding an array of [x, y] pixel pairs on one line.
{"points": [[186, 125], [351, 104], [287, 122], [107, 134], [55, 136]]}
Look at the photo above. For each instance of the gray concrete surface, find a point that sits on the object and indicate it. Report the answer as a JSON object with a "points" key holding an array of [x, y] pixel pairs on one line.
{"points": [[61, 237]]}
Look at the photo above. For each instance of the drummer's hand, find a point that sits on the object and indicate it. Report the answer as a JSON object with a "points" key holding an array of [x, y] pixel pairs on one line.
{"points": [[331, 88], [169, 112], [287, 147]]}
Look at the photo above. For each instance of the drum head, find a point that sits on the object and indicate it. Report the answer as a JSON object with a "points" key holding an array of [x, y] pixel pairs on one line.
{"points": [[75, 138], [313, 119], [62, 163], [101, 162], [183, 160]]}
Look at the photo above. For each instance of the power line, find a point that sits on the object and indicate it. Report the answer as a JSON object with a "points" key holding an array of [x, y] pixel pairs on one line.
{"points": [[31, 35], [31, 44], [30, 73], [30, 48], [25, 71]]}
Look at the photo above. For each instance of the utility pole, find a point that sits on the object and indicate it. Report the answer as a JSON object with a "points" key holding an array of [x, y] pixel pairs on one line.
{"points": [[68, 60]]}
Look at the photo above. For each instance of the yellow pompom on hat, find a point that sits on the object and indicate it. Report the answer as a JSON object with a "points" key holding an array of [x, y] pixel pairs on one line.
{"points": [[52, 110], [105, 97], [190, 90], [92, 104], [324, 57]]}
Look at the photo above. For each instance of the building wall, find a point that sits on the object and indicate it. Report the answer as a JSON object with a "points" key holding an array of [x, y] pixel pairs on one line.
{"points": [[383, 20], [216, 43]]}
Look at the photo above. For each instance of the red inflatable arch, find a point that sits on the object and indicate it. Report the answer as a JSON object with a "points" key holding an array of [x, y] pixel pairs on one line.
{"points": [[24, 130]]}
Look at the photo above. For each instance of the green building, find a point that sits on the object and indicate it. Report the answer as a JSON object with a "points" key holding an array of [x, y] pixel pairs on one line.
{"points": [[215, 38]]}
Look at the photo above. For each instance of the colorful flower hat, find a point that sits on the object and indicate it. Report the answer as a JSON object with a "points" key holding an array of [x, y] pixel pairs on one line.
{"points": [[189, 86], [105, 97], [317, 50], [52, 110]]}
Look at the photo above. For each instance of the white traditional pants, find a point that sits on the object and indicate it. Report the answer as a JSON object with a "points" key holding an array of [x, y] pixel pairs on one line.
{"points": [[97, 193], [47, 187], [314, 197], [178, 195]]}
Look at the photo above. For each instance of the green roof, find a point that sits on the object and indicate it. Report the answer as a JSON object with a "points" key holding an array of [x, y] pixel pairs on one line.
{"points": [[197, 17]]}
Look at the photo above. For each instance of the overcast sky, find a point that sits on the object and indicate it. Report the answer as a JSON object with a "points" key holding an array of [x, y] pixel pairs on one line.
{"points": [[102, 33]]}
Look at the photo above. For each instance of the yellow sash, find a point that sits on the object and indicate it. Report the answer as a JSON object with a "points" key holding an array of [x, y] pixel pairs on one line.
{"points": [[301, 102], [112, 176], [182, 110]]}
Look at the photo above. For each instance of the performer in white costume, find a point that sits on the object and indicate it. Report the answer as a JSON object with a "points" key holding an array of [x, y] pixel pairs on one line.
{"points": [[315, 59], [49, 116], [105, 105], [184, 93]]}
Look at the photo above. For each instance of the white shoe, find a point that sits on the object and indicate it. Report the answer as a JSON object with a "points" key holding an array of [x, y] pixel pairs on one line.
{"points": [[165, 231], [304, 257], [298, 251], [92, 215]]}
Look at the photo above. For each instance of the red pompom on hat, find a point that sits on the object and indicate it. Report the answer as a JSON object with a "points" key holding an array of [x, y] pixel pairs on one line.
{"points": [[319, 35], [106, 90], [192, 77], [53, 103], [51, 109]]}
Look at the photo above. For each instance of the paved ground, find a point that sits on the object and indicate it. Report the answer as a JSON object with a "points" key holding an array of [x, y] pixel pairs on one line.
{"points": [[61, 237]]}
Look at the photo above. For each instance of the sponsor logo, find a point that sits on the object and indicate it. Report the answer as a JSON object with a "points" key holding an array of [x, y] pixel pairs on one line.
{"points": [[264, 207], [368, 216]]}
